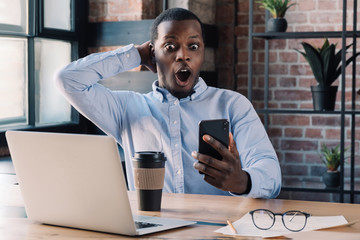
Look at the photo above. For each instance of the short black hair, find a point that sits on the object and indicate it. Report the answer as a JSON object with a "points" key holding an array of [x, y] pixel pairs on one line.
{"points": [[173, 14]]}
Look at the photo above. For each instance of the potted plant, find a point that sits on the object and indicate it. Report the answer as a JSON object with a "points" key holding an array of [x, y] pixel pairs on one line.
{"points": [[325, 65], [277, 9], [331, 158]]}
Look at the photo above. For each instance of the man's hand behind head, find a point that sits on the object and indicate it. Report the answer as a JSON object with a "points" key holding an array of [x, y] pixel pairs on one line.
{"points": [[147, 59]]}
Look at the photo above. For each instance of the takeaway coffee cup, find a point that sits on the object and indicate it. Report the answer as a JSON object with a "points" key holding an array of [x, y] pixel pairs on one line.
{"points": [[149, 172]]}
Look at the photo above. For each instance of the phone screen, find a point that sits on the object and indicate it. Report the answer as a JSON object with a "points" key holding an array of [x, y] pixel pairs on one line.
{"points": [[218, 129]]}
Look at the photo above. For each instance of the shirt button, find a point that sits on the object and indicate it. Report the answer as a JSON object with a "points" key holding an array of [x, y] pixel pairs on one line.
{"points": [[127, 55], [178, 172], [176, 144], [176, 102], [175, 122]]}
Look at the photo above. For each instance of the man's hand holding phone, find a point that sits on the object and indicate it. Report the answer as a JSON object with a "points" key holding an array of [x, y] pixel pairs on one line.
{"points": [[225, 174]]}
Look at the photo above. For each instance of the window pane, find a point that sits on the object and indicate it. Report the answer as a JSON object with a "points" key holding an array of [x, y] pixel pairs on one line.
{"points": [[13, 81], [57, 14], [13, 16], [51, 106]]}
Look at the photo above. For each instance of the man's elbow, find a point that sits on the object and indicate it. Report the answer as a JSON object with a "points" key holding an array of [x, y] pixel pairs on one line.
{"points": [[60, 79], [65, 82]]}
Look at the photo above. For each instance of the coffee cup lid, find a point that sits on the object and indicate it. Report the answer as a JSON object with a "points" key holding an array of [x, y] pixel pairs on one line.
{"points": [[149, 155]]}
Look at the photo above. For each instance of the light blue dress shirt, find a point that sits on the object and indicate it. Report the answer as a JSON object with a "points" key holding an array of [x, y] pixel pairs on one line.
{"points": [[157, 121]]}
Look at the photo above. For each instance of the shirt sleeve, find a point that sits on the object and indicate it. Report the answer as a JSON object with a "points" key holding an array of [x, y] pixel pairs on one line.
{"points": [[79, 83], [257, 155]]}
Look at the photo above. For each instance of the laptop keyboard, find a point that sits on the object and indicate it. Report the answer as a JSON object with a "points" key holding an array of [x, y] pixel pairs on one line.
{"points": [[139, 225]]}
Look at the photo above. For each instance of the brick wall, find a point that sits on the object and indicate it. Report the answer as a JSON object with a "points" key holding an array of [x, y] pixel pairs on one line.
{"points": [[297, 138]]}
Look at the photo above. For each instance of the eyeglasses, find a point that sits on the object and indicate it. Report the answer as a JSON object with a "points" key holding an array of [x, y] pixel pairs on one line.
{"points": [[294, 221]]}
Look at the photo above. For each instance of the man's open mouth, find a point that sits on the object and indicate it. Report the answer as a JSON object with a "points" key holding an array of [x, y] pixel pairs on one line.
{"points": [[183, 74]]}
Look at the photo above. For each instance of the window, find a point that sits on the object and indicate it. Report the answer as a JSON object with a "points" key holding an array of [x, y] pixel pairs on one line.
{"points": [[37, 37]]}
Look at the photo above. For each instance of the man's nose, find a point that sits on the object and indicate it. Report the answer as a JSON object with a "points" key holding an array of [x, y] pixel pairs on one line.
{"points": [[183, 54]]}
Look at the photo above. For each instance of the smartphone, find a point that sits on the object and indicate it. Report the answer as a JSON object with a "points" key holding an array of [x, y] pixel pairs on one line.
{"points": [[218, 129]]}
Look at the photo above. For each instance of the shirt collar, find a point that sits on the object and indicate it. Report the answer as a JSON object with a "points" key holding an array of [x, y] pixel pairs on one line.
{"points": [[164, 95]]}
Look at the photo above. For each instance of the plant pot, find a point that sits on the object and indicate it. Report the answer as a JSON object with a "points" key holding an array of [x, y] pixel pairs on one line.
{"points": [[276, 25], [324, 97], [331, 179]]}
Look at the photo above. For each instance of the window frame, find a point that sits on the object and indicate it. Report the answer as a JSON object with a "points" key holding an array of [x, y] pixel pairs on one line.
{"points": [[36, 29]]}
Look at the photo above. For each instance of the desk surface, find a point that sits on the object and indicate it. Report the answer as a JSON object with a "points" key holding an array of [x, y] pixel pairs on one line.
{"points": [[210, 210]]}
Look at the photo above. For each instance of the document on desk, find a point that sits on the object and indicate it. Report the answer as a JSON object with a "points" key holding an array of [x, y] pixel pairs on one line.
{"points": [[245, 226]]}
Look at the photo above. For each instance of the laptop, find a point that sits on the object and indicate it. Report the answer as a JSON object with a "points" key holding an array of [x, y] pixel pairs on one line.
{"points": [[77, 180]]}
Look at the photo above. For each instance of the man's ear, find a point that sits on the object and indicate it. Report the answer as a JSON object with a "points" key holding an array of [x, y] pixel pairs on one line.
{"points": [[152, 52]]}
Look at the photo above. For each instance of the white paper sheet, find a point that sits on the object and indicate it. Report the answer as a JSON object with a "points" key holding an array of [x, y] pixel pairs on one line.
{"points": [[245, 226]]}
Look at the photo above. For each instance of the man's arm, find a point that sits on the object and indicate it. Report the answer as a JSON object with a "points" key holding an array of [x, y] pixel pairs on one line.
{"points": [[250, 156], [78, 82]]}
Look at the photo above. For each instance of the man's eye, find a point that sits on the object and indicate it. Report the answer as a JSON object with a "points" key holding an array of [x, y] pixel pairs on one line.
{"points": [[194, 46], [169, 47]]}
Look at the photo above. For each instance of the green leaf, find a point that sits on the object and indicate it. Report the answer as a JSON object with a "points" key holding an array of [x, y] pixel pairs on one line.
{"points": [[277, 8], [328, 56], [325, 64], [338, 70], [314, 59]]}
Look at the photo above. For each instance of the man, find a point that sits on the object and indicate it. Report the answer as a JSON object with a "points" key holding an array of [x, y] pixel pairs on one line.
{"points": [[167, 118]]}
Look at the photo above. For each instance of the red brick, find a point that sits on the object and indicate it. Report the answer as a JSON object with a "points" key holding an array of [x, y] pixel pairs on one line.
{"points": [[225, 13], [307, 82], [307, 28], [279, 69], [225, 78], [243, 6], [300, 70], [242, 19], [288, 57], [290, 182], [114, 7], [243, 57], [294, 157], [96, 9], [357, 133], [313, 158], [294, 170], [328, 4], [257, 44], [298, 145], [326, 17], [257, 69], [313, 133], [290, 120], [332, 133], [242, 81], [292, 95], [241, 68], [225, 56], [272, 82], [293, 132], [241, 43], [326, 121], [326, 28], [275, 132], [297, 17], [272, 56], [277, 44], [289, 105], [287, 82], [226, 35], [306, 5]]}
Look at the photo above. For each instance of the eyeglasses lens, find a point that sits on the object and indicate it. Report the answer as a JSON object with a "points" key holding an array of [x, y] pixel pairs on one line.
{"points": [[294, 220], [263, 219]]}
